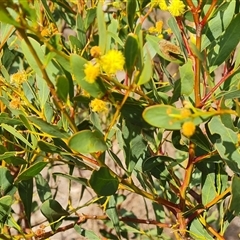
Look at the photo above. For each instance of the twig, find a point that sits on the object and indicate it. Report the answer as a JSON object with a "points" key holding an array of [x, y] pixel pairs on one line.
{"points": [[83, 218]]}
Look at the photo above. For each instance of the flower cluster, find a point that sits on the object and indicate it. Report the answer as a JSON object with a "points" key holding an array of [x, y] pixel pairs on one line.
{"points": [[91, 71], [15, 103], [188, 129], [18, 78], [158, 30], [97, 105], [112, 62], [175, 7], [109, 64]]}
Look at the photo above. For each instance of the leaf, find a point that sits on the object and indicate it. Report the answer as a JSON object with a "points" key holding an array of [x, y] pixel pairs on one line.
{"points": [[6, 181], [159, 215], [86, 233], [103, 183], [168, 117], [48, 128], [15, 133], [226, 44], [25, 190], [131, 52], [201, 140], [62, 88], [156, 166], [15, 160], [226, 143], [31, 128], [51, 70], [147, 70], [235, 195], [81, 32], [6, 17], [48, 147], [216, 26], [48, 11], [91, 15], [172, 23], [231, 94], [31, 172], [102, 29], [197, 231], [5, 208], [43, 91], [54, 212], [131, 11], [112, 213], [187, 78], [87, 141], [138, 146], [237, 62], [82, 181], [115, 158], [4, 154], [29, 56], [43, 188], [4, 118], [96, 89], [208, 187], [177, 141]]}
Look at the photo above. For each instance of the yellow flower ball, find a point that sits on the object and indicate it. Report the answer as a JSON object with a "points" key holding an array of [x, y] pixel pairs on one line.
{"points": [[15, 103], [19, 77], [162, 5], [112, 62], [91, 72], [176, 8], [95, 51], [98, 105], [188, 129]]}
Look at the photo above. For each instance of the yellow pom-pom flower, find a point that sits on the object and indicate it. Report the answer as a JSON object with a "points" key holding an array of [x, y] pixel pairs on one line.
{"points": [[15, 103], [19, 77], [162, 4], [95, 51], [176, 8], [188, 129], [98, 105], [112, 62], [159, 26], [91, 72]]}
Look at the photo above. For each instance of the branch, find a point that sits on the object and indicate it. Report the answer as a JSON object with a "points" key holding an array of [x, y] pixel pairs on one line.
{"points": [[83, 218]]}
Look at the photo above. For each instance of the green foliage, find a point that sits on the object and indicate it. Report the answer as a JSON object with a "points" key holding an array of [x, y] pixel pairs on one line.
{"points": [[156, 121]]}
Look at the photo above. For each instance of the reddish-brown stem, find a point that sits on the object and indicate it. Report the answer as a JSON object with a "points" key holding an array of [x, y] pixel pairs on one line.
{"points": [[185, 185], [143, 18], [209, 12], [169, 205], [187, 177], [197, 66], [199, 4], [180, 25], [205, 156], [194, 11], [83, 218], [216, 87], [210, 204]]}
